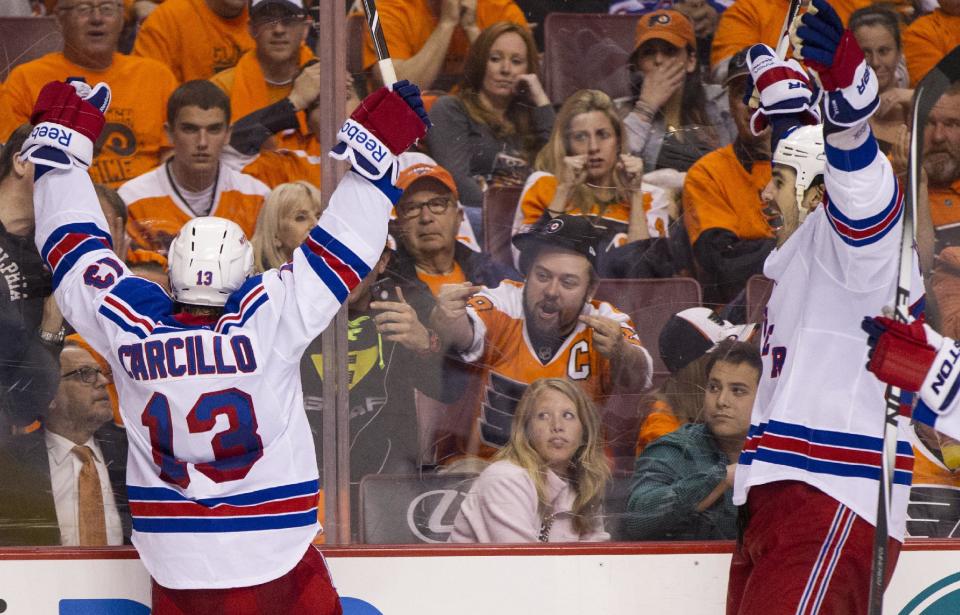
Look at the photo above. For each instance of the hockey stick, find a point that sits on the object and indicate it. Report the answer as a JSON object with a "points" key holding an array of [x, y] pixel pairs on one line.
{"points": [[928, 92], [783, 45], [384, 63]]}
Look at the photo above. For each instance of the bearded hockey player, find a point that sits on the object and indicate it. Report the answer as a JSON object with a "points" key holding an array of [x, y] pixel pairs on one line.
{"points": [[807, 478], [222, 476]]}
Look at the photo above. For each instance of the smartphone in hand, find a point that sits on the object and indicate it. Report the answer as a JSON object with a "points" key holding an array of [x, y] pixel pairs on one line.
{"points": [[384, 289]]}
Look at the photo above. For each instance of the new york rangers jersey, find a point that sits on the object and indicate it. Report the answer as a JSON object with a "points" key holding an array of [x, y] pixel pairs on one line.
{"points": [[819, 415], [222, 475]]}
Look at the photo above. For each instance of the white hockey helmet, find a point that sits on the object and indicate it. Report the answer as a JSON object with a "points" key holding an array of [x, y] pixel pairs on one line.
{"points": [[802, 150], [209, 259]]}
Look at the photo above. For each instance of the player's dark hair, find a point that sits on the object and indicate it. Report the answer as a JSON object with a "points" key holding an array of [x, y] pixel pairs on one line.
{"points": [[736, 353], [197, 93], [876, 16], [111, 197], [12, 147]]}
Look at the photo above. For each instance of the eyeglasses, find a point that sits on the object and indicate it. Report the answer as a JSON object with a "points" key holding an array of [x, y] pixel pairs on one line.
{"points": [[88, 375], [85, 9], [409, 211]]}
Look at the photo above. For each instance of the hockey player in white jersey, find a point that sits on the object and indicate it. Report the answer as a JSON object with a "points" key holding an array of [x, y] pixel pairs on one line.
{"points": [[222, 475], [808, 475]]}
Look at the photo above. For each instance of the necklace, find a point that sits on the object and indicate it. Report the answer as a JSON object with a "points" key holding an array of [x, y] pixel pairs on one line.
{"points": [[176, 190]]}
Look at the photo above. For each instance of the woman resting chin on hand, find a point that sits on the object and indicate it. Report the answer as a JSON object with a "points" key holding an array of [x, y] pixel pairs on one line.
{"points": [[547, 483]]}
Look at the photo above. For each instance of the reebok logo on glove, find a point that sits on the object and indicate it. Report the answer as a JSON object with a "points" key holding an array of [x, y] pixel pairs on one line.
{"points": [[862, 86], [353, 132], [47, 131]]}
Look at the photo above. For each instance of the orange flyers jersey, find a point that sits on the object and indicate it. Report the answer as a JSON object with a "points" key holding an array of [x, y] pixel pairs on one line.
{"points": [[541, 188], [945, 206], [155, 213], [927, 41], [133, 138], [719, 193], [502, 348], [407, 24], [747, 22], [192, 40], [934, 507]]}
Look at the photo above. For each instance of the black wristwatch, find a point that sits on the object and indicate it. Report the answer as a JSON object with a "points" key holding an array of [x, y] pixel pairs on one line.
{"points": [[52, 339]]}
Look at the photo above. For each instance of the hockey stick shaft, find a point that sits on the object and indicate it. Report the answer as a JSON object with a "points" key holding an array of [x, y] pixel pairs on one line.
{"points": [[783, 45], [387, 72], [928, 92]]}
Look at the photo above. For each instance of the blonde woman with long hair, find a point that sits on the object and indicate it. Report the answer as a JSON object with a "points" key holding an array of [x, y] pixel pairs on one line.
{"points": [[584, 170], [547, 484], [286, 217]]}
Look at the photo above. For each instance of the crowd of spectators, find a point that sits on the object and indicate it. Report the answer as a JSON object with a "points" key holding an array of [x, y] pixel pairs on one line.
{"points": [[507, 369]]}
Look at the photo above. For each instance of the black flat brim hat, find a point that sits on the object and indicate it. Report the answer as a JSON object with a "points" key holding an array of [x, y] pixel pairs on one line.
{"points": [[574, 233]]}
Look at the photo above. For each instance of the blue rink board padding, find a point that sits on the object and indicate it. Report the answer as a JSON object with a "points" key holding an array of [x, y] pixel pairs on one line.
{"points": [[113, 606]]}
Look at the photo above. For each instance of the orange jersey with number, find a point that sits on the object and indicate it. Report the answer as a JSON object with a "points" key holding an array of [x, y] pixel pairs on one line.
{"points": [[407, 24], [133, 138], [192, 40], [503, 350], [720, 193], [927, 41], [155, 213]]}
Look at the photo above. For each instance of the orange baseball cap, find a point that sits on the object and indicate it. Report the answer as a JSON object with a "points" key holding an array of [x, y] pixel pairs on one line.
{"points": [[666, 25], [422, 170]]}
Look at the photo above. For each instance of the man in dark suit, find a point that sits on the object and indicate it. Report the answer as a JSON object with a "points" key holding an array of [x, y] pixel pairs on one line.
{"points": [[63, 484]]}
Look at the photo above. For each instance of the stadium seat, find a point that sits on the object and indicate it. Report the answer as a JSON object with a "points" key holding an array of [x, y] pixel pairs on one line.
{"points": [[26, 38], [410, 508], [650, 303], [758, 293], [499, 208], [587, 51]]}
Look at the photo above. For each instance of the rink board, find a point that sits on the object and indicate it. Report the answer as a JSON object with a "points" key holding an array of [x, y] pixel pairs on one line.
{"points": [[680, 578]]}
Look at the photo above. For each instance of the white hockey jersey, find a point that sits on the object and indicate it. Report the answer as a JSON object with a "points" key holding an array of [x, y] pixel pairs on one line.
{"points": [[819, 414], [222, 475]]}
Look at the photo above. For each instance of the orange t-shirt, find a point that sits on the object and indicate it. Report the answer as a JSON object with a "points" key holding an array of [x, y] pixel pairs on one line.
{"points": [[435, 281], [192, 40], [407, 24], [945, 206], [659, 422], [927, 41], [748, 22], [719, 193], [283, 166], [249, 91], [133, 138]]}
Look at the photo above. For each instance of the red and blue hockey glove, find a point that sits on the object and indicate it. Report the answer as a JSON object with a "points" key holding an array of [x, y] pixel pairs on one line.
{"points": [[385, 125], [68, 119], [915, 358], [832, 52], [784, 87]]}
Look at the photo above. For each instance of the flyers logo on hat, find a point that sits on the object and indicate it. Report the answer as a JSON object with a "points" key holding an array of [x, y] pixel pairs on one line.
{"points": [[659, 20], [553, 226]]}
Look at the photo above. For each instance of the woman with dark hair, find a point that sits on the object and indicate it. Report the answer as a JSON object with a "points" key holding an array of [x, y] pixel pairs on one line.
{"points": [[877, 30], [494, 125], [672, 123]]}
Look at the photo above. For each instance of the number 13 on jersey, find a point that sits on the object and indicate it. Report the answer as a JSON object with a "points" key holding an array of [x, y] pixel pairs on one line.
{"points": [[235, 450]]}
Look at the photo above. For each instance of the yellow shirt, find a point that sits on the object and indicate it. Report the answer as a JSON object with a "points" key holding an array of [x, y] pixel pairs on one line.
{"points": [[133, 138], [192, 40]]}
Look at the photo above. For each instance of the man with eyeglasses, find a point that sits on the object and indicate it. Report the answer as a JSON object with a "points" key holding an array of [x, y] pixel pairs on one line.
{"points": [[64, 483], [195, 38], [133, 137], [266, 74]]}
